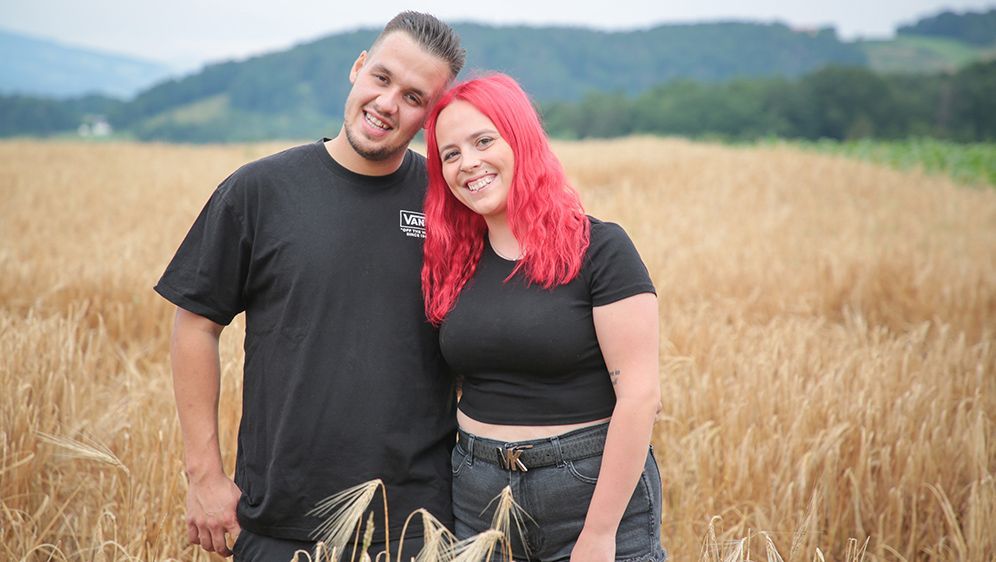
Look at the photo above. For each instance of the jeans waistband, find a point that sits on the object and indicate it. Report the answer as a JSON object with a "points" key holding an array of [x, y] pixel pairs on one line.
{"points": [[523, 455]]}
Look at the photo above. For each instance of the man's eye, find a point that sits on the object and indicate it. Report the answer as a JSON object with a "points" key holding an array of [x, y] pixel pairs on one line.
{"points": [[413, 99]]}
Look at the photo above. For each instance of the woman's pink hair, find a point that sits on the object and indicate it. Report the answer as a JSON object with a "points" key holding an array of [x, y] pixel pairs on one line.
{"points": [[544, 212]]}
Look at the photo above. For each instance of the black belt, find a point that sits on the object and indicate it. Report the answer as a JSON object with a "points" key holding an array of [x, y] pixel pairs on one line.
{"points": [[575, 445]]}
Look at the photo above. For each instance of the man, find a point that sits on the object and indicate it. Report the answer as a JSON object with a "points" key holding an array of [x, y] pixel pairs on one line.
{"points": [[320, 245]]}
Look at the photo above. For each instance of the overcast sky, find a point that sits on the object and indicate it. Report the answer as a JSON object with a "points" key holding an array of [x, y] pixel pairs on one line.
{"points": [[187, 33]]}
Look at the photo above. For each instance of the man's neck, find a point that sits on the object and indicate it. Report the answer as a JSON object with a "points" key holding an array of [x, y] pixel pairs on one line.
{"points": [[342, 152]]}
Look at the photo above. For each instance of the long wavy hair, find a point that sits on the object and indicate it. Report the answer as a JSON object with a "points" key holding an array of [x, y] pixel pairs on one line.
{"points": [[543, 210]]}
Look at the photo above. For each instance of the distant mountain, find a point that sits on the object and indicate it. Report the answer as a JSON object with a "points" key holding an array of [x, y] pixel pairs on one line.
{"points": [[557, 63], [944, 42], [40, 67], [299, 92], [974, 28], [302, 90]]}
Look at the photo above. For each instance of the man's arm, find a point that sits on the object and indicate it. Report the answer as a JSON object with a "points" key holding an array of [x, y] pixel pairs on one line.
{"points": [[211, 495]]}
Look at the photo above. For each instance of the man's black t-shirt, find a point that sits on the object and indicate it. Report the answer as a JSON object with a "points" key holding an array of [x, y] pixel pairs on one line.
{"points": [[343, 377]]}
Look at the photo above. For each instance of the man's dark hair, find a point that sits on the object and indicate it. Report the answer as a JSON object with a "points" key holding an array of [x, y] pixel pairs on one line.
{"points": [[434, 36]]}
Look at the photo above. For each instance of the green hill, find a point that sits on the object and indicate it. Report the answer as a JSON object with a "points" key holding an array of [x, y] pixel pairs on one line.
{"points": [[923, 54], [587, 76], [974, 28], [300, 92]]}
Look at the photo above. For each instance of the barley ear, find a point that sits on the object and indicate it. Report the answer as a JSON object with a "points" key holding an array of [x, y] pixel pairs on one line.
{"points": [[367, 539], [478, 548], [800, 534], [89, 449], [437, 540], [342, 513], [507, 513], [737, 552], [769, 549], [710, 546]]}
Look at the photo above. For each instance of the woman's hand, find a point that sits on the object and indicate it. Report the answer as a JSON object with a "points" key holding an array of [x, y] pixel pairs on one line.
{"points": [[627, 332], [594, 547]]}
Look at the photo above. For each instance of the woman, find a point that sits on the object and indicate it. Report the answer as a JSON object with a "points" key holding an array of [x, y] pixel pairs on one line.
{"points": [[550, 318]]}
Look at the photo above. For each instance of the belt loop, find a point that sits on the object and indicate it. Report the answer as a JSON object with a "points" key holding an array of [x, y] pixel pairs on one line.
{"points": [[470, 449], [555, 441]]}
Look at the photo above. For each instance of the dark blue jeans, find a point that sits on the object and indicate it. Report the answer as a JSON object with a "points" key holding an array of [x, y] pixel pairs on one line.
{"points": [[556, 495]]}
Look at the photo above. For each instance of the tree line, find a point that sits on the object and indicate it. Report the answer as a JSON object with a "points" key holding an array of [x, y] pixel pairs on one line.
{"points": [[976, 28], [834, 102]]}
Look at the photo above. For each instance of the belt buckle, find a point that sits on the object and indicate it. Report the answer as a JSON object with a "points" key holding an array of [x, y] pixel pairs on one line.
{"points": [[508, 457]]}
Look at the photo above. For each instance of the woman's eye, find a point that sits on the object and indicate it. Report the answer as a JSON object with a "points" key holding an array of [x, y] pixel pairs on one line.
{"points": [[450, 155], [485, 141]]}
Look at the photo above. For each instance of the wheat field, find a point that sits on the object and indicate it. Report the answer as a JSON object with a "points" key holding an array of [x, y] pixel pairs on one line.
{"points": [[828, 365]]}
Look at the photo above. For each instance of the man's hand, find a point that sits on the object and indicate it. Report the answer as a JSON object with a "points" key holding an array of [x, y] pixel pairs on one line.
{"points": [[594, 547], [211, 513]]}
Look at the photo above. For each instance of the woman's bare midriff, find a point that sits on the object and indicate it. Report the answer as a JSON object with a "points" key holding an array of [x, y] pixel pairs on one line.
{"points": [[515, 433]]}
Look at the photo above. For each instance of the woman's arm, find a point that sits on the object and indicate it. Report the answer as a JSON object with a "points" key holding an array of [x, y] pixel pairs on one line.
{"points": [[627, 332]]}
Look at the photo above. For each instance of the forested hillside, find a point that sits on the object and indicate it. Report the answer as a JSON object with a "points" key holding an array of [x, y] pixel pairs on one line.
{"points": [[834, 103], [300, 92], [976, 28], [733, 79]]}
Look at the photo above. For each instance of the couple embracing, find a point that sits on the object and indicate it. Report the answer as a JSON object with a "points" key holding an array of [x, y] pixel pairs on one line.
{"points": [[374, 281]]}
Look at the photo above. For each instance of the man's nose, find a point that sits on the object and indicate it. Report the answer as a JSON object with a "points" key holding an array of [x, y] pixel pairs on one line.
{"points": [[388, 101]]}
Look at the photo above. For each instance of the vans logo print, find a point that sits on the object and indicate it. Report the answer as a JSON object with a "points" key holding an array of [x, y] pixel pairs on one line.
{"points": [[413, 224]]}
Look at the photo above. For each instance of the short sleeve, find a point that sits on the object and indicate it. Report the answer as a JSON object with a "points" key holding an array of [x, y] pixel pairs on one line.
{"points": [[614, 268], [208, 274]]}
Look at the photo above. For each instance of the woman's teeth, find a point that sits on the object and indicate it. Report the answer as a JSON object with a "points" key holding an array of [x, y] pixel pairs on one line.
{"points": [[480, 184]]}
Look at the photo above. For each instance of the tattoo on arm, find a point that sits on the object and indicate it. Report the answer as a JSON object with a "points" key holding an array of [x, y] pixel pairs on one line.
{"points": [[614, 375]]}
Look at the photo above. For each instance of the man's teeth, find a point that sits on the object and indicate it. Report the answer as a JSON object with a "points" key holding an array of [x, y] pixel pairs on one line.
{"points": [[376, 122], [480, 184]]}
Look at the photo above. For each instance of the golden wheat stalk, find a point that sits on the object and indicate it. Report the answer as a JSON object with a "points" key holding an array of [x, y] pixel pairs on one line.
{"points": [[343, 512], [709, 551], [507, 513], [769, 549], [855, 553], [437, 540], [731, 550], [863, 301], [368, 534], [90, 450], [322, 553], [477, 548], [737, 553], [800, 533]]}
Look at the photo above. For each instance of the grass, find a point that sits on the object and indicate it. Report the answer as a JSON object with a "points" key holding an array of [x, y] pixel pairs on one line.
{"points": [[920, 54], [827, 333], [967, 163]]}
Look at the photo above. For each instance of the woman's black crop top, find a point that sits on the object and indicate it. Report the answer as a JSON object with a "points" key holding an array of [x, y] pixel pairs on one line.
{"points": [[529, 355]]}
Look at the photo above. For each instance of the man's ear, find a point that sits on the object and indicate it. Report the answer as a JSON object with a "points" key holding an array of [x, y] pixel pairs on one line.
{"points": [[360, 61]]}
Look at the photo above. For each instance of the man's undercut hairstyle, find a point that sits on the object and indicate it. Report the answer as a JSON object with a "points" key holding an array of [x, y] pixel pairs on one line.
{"points": [[428, 32]]}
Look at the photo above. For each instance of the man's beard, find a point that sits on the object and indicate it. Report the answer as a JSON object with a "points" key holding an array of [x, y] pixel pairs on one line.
{"points": [[376, 154]]}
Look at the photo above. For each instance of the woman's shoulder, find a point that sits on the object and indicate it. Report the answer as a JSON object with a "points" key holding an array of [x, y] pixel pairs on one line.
{"points": [[604, 233], [613, 267]]}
